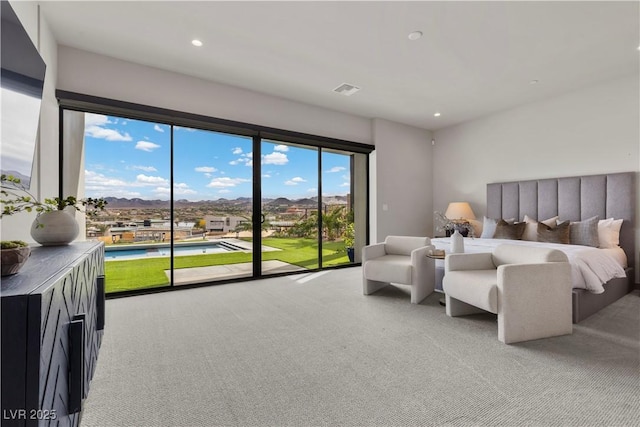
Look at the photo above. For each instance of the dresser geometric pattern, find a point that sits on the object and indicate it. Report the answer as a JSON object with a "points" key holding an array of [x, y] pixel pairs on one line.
{"points": [[71, 293]]}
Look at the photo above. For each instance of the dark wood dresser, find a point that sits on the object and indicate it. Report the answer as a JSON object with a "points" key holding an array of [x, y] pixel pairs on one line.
{"points": [[52, 326]]}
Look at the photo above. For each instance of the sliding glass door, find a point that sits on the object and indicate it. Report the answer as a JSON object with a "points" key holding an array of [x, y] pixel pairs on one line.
{"points": [[289, 182], [128, 162], [212, 206]]}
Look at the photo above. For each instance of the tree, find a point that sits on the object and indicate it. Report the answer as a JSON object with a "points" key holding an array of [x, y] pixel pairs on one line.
{"points": [[333, 222]]}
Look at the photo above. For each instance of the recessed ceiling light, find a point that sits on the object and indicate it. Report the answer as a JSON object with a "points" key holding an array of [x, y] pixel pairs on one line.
{"points": [[638, 47], [415, 35], [533, 82], [436, 114], [196, 42]]}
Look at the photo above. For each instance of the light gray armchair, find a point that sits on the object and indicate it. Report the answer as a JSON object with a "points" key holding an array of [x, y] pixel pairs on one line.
{"points": [[529, 288], [402, 260]]}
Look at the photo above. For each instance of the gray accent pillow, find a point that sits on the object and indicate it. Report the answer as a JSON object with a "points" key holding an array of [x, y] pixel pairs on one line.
{"points": [[559, 234], [489, 226], [504, 230], [585, 232]]}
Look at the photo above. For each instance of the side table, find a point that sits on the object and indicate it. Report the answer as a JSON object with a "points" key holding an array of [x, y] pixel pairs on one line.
{"points": [[438, 279]]}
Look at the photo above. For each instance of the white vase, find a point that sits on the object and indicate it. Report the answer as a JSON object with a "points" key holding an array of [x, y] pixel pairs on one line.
{"points": [[457, 243], [54, 228]]}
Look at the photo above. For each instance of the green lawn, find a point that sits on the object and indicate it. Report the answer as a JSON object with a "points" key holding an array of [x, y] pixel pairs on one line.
{"points": [[149, 273]]}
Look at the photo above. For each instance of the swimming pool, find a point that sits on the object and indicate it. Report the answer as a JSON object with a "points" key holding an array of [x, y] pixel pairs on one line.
{"points": [[165, 251]]}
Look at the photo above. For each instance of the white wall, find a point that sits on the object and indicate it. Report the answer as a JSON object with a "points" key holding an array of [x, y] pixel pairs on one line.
{"points": [[44, 182], [591, 131], [402, 166], [92, 74]]}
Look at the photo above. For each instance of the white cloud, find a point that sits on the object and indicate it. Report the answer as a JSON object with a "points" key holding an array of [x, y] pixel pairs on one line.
{"points": [[150, 180], [208, 175], [144, 168], [281, 148], [91, 119], [224, 191], [207, 169], [345, 184], [95, 127], [312, 190], [162, 190], [95, 180], [275, 159], [179, 189], [158, 128], [225, 182], [295, 181], [237, 150], [146, 146], [335, 169], [234, 162], [266, 175], [104, 133]]}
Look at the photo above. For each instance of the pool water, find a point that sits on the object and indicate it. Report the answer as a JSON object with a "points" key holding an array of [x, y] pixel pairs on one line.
{"points": [[125, 254]]}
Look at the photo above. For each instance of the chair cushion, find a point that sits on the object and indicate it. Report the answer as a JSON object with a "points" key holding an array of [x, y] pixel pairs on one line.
{"points": [[403, 245], [476, 287], [389, 268]]}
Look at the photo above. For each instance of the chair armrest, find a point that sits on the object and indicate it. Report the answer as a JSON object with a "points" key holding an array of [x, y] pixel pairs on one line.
{"points": [[419, 253], [546, 279], [479, 261], [534, 301], [372, 251]]}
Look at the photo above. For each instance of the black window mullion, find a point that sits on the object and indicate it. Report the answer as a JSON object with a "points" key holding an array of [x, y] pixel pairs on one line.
{"points": [[320, 207], [256, 218], [171, 213]]}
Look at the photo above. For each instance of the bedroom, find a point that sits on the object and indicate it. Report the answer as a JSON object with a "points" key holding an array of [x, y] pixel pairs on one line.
{"points": [[587, 123]]}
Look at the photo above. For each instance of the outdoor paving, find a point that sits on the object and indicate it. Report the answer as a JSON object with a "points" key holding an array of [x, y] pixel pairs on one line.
{"points": [[183, 276]]}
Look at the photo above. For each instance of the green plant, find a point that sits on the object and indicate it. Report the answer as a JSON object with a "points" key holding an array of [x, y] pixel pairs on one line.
{"points": [[450, 225], [12, 244], [13, 201], [349, 236]]}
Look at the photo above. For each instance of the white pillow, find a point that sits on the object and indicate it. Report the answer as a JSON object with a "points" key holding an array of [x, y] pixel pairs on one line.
{"points": [[609, 232], [531, 229]]}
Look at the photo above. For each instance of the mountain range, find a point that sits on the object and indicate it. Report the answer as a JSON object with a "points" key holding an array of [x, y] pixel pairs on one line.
{"points": [[117, 202]]}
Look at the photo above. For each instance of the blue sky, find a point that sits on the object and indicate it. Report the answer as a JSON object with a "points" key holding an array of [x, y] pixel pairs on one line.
{"points": [[131, 158]]}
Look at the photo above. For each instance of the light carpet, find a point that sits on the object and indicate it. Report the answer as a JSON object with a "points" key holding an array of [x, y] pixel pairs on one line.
{"points": [[311, 350]]}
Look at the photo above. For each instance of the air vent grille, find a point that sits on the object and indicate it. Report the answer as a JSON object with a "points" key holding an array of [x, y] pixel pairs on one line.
{"points": [[346, 89]]}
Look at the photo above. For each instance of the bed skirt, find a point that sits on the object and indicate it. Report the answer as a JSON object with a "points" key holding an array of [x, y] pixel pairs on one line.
{"points": [[585, 303]]}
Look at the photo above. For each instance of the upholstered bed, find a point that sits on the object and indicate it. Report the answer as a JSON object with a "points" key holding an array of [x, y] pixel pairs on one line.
{"points": [[574, 199]]}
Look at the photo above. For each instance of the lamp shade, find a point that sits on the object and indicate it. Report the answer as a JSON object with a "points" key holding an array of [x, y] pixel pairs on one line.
{"points": [[459, 210]]}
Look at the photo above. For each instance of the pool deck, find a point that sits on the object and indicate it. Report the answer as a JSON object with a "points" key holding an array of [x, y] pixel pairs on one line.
{"points": [[184, 276]]}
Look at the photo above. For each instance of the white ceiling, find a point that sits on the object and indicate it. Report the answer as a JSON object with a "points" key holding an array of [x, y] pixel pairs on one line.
{"points": [[474, 58]]}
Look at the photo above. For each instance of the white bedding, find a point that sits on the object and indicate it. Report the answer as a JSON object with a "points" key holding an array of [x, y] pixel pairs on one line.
{"points": [[590, 267]]}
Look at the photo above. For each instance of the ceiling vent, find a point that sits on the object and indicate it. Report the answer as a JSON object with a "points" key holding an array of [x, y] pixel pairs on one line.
{"points": [[346, 89]]}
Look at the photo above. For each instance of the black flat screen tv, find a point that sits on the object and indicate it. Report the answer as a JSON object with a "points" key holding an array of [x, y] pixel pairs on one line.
{"points": [[21, 82]]}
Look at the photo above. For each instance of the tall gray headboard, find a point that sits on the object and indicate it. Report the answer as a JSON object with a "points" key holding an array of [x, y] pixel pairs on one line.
{"points": [[572, 198]]}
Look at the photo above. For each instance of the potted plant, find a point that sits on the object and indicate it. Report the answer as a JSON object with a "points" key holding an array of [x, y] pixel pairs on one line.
{"points": [[53, 225], [449, 226], [13, 254], [348, 239]]}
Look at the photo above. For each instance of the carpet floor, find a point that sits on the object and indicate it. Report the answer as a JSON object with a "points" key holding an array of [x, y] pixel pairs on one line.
{"points": [[311, 350]]}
